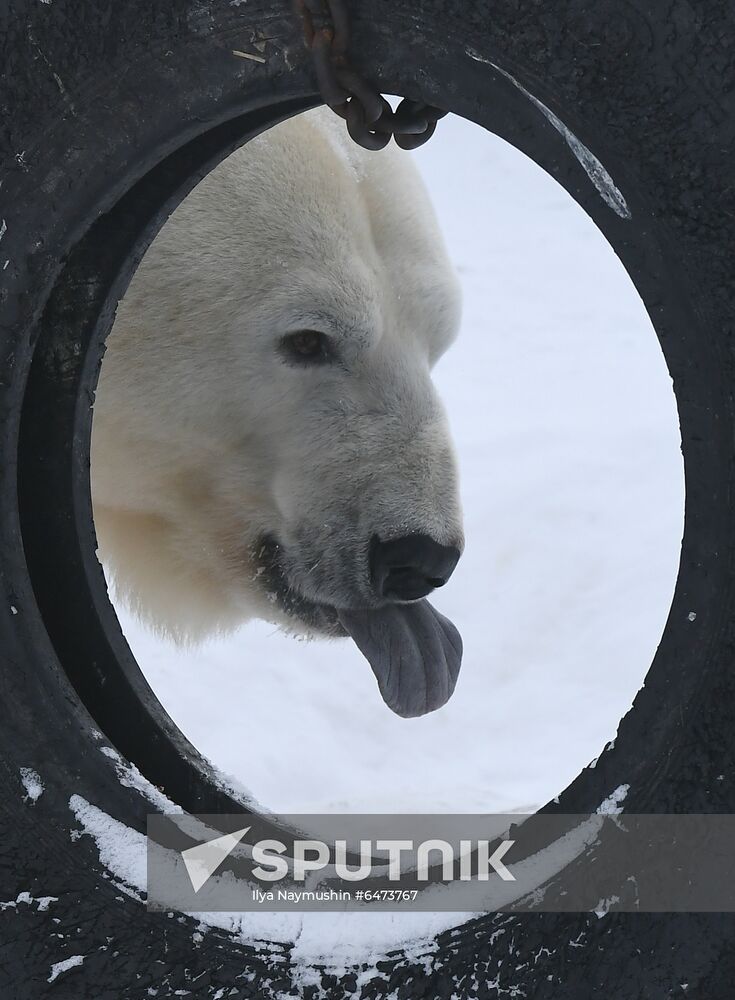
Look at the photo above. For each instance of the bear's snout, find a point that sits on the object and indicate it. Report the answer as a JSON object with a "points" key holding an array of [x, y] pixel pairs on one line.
{"points": [[410, 567]]}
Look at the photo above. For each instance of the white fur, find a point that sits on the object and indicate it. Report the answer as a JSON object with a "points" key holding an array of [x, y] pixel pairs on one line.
{"points": [[205, 438]]}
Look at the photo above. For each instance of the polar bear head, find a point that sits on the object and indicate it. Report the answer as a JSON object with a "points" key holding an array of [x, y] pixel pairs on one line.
{"points": [[267, 441]]}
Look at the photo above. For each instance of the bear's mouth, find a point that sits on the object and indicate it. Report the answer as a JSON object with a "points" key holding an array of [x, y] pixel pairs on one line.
{"points": [[320, 618], [413, 650]]}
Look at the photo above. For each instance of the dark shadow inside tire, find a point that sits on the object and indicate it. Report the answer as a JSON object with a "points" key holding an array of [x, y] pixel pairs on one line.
{"points": [[57, 524]]}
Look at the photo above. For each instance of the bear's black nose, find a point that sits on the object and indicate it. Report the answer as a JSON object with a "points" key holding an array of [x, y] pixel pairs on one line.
{"points": [[410, 567]]}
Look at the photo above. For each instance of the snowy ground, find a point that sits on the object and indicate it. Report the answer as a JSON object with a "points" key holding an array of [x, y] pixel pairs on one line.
{"points": [[572, 482]]}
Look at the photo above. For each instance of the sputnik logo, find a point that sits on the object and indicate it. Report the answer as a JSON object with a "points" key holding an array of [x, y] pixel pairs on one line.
{"points": [[203, 860]]}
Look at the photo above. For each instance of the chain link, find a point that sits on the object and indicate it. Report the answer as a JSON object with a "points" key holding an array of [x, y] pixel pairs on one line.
{"points": [[370, 119]]}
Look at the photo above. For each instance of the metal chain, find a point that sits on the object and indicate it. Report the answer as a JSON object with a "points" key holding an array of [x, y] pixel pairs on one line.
{"points": [[370, 119]]}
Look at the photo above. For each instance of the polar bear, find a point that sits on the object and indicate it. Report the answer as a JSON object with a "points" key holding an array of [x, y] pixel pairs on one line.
{"points": [[267, 441]]}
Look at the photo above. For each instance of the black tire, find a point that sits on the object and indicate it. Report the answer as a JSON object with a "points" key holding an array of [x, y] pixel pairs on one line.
{"points": [[112, 111]]}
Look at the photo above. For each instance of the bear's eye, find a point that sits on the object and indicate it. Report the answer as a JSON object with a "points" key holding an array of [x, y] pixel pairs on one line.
{"points": [[309, 346]]}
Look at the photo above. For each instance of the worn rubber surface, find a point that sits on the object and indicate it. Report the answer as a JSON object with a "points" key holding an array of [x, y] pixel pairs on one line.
{"points": [[110, 112]]}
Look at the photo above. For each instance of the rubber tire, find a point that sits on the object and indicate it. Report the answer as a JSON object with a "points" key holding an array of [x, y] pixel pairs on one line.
{"points": [[112, 112]]}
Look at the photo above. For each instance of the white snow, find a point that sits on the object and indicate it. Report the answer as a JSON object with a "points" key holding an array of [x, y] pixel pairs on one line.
{"points": [[130, 777], [68, 963], [572, 481], [336, 940], [122, 850], [32, 783], [612, 804], [341, 939], [42, 902]]}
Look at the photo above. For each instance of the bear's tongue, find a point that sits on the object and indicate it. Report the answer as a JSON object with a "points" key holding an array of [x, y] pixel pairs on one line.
{"points": [[414, 651]]}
